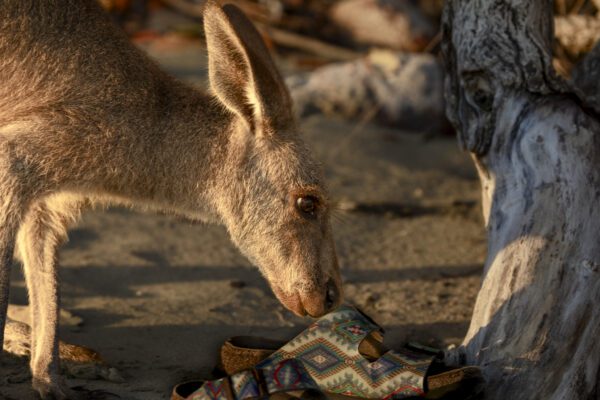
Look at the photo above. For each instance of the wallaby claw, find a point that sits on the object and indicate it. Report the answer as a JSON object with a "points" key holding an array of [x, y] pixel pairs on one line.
{"points": [[60, 391], [97, 394], [54, 389]]}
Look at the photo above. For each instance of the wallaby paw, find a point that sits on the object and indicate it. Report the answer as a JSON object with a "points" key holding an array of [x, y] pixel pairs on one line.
{"points": [[54, 389], [76, 361], [96, 394], [83, 363]]}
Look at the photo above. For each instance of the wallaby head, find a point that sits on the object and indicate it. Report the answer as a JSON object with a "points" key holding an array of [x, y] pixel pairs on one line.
{"points": [[271, 194]]}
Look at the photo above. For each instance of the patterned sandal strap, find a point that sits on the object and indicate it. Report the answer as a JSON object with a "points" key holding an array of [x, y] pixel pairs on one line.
{"points": [[329, 351], [285, 376], [396, 375], [326, 357]]}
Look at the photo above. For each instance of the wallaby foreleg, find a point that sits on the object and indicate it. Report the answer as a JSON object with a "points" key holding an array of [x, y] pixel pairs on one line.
{"points": [[8, 227], [9, 222], [42, 231]]}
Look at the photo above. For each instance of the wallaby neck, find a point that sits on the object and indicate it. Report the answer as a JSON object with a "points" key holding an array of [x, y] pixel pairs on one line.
{"points": [[185, 150]]}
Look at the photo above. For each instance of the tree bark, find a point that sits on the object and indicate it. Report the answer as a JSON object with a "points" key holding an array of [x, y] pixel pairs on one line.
{"points": [[586, 77], [535, 329]]}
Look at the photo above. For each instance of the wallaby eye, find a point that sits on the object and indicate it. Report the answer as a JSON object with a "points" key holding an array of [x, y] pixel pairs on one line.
{"points": [[307, 205]]}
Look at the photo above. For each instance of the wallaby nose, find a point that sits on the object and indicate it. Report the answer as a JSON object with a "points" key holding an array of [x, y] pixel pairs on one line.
{"points": [[319, 303]]}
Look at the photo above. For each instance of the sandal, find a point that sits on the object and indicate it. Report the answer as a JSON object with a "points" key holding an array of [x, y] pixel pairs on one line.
{"points": [[340, 354]]}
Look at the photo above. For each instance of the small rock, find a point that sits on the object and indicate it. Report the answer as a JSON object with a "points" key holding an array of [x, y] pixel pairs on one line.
{"points": [[373, 298], [237, 284], [67, 318], [114, 375], [346, 205]]}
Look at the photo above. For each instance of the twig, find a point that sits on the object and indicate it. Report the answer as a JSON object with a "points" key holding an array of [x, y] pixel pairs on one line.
{"points": [[433, 42], [561, 6], [358, 128], [278, 36], [254, 11], [194, 10], [310, 45], [577, 6]]}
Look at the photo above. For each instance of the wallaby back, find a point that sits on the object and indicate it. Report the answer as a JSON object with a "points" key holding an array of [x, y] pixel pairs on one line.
{"points": [[67, 52], [99, 114]]}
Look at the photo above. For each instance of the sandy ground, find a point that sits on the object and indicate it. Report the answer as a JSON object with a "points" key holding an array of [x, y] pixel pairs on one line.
{"points": [[157, 296]]}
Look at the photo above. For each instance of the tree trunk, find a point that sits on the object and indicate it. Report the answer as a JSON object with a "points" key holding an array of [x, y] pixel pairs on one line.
{"points": [[535, 329], [586, 77]]}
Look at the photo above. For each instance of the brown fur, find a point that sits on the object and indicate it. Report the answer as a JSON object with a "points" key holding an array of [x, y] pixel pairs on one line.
{"points": [[86, 118]]}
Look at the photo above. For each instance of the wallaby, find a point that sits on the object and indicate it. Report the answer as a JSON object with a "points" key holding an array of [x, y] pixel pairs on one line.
{"points": [[86, 118]]}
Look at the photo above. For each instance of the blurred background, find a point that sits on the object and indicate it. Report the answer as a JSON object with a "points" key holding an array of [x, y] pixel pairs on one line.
{"points": [[374, 60], [157, 296]]}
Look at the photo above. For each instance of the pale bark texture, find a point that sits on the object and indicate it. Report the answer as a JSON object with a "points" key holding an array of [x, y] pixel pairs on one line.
{"points": [[535, 329]]}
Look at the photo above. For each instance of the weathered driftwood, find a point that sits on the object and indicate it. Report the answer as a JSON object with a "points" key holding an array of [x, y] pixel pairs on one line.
{"points": [[398, 25], [535, 329], [393, 88]]}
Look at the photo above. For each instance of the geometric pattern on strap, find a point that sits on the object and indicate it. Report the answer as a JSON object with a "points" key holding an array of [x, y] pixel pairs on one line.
{"points": [[326, 357], [328, 349]]}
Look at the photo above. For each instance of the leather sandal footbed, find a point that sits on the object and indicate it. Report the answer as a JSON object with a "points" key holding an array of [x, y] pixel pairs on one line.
{"points": [[244, 352], [185, 389]]}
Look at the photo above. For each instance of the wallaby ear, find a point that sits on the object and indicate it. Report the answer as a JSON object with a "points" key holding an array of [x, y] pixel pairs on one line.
{"points": [[241, 72]]}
